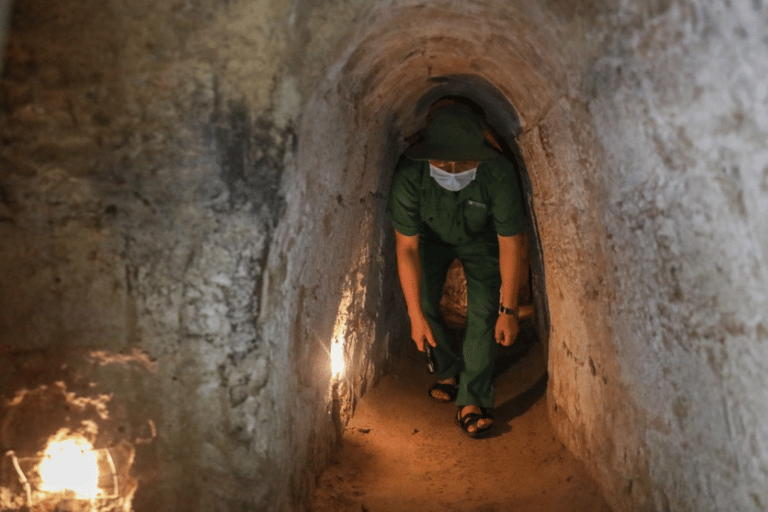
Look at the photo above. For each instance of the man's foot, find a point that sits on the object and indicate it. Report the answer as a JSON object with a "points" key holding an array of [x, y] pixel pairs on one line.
{"points": [[475, 421], [444, 390]]}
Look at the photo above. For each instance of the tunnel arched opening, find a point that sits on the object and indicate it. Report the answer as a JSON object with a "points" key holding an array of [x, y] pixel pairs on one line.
{"points": [[527, 390], [504, 122], [374, 96]]}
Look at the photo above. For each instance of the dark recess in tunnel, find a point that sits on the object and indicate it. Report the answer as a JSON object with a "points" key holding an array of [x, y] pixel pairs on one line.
{"points": [[503, 120]]}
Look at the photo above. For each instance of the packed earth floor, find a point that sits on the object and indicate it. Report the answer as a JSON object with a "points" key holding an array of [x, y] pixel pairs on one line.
{"points": [[402, 451]]}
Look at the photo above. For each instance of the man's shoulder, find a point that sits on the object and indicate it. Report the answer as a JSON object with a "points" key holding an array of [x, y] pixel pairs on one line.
{"points": [[408, 173], [498, 170], [409, 167]]}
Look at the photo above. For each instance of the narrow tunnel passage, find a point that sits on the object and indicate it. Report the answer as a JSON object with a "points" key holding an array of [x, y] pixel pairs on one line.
{"points": [[390, 113], [402, 452]]}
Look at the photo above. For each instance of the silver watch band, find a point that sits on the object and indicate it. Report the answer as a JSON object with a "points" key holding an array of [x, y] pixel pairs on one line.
{"points": [[515, 312]]}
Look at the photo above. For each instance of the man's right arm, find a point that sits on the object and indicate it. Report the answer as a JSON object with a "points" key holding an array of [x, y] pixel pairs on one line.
{"points": [[409, 270]]}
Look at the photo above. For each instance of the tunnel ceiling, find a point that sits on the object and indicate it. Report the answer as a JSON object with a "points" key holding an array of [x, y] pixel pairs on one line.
{"points": [[391, 65]]}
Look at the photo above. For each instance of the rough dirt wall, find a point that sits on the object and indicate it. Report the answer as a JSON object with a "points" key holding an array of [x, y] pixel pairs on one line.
{"points": [[143, 149], [682, 113], [650, 178]]}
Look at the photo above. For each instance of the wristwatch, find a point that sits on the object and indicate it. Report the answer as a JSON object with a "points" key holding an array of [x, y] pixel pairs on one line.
{"points": [[515, 312]]}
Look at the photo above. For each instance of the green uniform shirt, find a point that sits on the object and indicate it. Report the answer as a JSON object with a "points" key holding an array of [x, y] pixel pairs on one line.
{"points": [[490, 205]]}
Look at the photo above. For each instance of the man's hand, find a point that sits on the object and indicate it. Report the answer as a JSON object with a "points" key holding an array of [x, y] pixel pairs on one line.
{"points": [[409, 270], [506, 330], [420, 331]]}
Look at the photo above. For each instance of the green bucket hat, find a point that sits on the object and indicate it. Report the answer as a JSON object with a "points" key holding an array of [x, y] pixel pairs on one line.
{"points": [[454, 133]]}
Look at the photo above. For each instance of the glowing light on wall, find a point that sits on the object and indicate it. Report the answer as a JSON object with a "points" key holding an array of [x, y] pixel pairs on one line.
{"points": [[70, 464], [337, 357]]}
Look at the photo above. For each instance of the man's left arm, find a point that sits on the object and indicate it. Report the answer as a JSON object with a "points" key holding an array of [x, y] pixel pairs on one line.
{"points": [[509, 265]]}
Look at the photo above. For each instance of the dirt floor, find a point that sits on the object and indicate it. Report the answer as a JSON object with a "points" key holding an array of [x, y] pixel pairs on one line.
{"points": [[403, 452]]}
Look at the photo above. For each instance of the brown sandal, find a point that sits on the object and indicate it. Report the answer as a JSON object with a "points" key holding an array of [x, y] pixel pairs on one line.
{"points": [[452, 390], [473, 418]]}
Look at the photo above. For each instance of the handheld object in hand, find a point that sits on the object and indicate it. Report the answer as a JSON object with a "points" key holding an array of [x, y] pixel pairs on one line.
{"points": [[431, 361]]}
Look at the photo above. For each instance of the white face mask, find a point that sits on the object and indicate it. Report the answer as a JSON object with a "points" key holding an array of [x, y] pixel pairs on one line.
{"points": [[452, 182]]}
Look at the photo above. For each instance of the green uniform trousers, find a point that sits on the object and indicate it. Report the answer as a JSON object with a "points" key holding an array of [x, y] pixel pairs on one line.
{"points": [[474, 364]]}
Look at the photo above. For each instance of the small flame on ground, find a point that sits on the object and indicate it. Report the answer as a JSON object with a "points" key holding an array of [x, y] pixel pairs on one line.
{"points": [[69, 464]]}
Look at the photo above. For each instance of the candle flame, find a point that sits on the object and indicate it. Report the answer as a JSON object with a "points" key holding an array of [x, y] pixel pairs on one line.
{"points": [[70, 464]]}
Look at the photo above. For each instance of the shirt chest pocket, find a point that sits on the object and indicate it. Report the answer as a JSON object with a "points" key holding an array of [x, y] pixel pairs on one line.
{"points": [[476, 215]]}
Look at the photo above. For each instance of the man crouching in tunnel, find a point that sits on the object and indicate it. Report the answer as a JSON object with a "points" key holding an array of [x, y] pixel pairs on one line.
{"points": [[454, 196]]}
